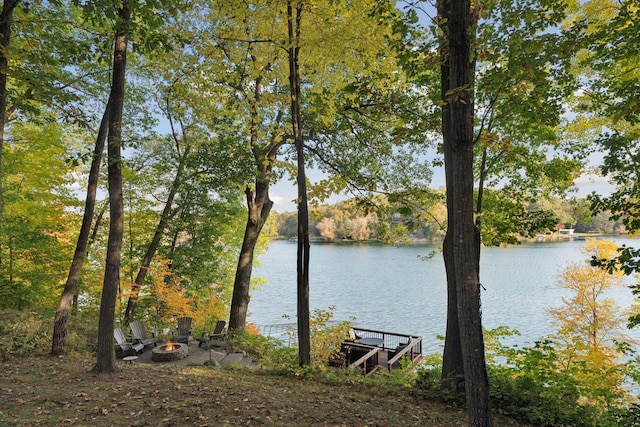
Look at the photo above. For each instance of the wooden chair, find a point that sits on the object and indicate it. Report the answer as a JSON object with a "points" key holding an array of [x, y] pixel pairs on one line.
{"points": [[184, 330], [218, 334], [353, 336], [141, 335], [127, 348]]}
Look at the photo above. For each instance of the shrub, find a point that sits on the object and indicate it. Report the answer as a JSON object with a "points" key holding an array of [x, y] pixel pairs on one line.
{"points": [[536, 386], [326, 339], [25, 332], [271, 352]]}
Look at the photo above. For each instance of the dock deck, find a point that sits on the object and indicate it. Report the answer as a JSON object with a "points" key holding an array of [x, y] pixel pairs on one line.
{"points": [[374, 350]]}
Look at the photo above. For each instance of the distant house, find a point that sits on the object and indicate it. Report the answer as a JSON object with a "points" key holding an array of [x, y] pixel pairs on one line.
{"points": [[567, 231]]}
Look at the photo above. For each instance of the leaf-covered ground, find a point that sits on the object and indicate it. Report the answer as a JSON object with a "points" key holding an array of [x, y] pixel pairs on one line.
{"points": [[51, 391]]}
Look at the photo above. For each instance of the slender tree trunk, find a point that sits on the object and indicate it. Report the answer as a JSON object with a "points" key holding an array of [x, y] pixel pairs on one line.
{"points": [[59, 342], [304, 338], [155, 241], [462, 250], [106, 360], [6, 21]]}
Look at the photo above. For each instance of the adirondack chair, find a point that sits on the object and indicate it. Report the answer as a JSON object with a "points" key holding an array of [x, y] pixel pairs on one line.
{"points": [[218, 334], [353, 336], [141, 335], [127, 348], [184, 330]]}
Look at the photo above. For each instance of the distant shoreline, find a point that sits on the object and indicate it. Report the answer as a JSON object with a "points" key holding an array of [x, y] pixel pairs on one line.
{"points": [[410, 241]]}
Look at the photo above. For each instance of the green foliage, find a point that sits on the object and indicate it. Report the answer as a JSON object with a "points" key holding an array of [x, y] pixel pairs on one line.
{"points": [[505, 220], [28, 332], [82, 333], [578, 375], [428, 381], [326, 338], [536, 385], [403, 377], [271, 352], [529, 387], [25, 332], [36, 230], [621, 164], [610, 109]]}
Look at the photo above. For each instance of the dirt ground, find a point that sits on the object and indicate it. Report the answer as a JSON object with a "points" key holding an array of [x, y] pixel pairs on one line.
{"points": [[42, 390]]}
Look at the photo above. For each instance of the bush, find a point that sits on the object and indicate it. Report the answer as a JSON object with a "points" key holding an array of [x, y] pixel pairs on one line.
{"points": [[326, 339], [271, 352], [532, 390], [82, 334], [25, 332], [531, 387]]}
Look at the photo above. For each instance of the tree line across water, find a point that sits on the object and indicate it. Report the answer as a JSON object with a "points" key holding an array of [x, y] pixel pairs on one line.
{"points": [[356, 221]]}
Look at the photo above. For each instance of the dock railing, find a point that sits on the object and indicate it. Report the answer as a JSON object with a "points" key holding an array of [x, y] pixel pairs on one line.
{"points": [[369, 362], [395, 346], [413, 350]]}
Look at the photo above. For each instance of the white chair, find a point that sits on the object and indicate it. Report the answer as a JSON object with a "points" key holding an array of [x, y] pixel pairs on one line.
{"points": [[126, 347], [141, 335]]}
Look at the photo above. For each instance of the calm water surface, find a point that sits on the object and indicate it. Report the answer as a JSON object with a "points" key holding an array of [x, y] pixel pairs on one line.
{"points": [[397, 289]]}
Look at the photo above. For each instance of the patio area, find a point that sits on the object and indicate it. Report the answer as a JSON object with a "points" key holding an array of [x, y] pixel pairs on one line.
{"points": [[198, 356]]}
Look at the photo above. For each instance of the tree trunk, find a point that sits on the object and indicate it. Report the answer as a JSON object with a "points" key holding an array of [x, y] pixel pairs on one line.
{"points": [[452, 364], [106, 360], [6, 21], [304, 339], [59, 342], [259, 206], [155, 241], [258, 209], [461, 241]]}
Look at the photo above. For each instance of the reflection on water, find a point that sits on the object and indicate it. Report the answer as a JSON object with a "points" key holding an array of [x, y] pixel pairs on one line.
{"points": [[397, 289]]}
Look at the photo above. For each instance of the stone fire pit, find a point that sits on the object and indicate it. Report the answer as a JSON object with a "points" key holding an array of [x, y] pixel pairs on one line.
{"points": [[169, 352]]}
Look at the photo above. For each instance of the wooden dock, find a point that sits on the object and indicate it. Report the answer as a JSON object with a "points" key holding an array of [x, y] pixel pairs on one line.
{"points": [[373, 350]]}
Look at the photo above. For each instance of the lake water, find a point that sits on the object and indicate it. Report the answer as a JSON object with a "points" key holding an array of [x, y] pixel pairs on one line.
{"points": [[396, 289]]}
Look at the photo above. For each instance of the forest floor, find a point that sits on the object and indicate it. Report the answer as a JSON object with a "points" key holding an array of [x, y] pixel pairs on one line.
{"points": [[42, 390]]}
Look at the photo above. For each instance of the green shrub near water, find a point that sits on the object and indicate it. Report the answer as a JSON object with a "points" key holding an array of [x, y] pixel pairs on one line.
{"points": [[528, 384]]}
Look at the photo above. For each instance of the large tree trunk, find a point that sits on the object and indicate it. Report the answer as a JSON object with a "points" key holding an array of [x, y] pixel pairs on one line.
{"points": [[155, 241], [59, 342], [106, 359], [304, 338], [259, 206], [6, 20], [452, 364], [258, 209], [461, 240]]}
